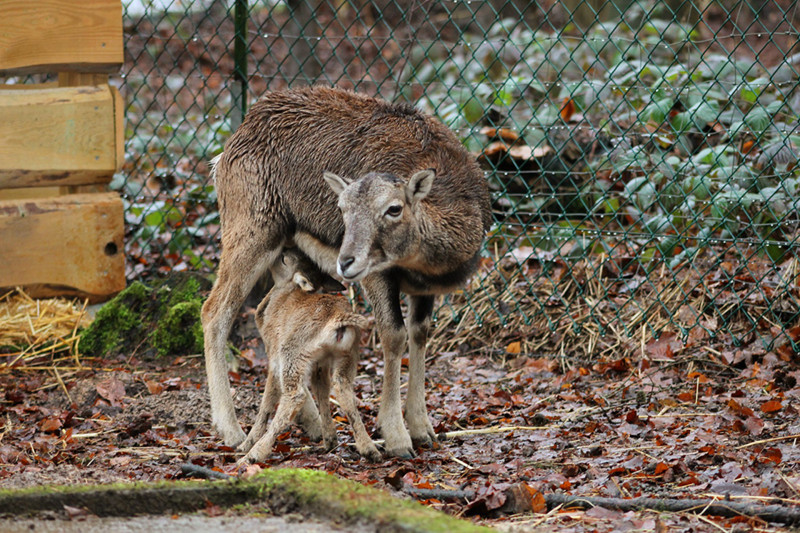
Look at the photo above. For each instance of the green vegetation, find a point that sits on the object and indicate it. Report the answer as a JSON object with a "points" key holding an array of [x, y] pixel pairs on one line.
{"points": [[163, 319], [653, 133], [117, 322], [180, 330]]}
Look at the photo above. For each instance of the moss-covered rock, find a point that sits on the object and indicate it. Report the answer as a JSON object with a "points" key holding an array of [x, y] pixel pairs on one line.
{"points": [[308, 492], [160, 319], [118, 323], [180, 330]]}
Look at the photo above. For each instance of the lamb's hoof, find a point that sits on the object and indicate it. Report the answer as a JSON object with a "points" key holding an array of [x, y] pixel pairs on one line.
{"points": [[245, 446], [330, 443], [232, 437], [247, 460], [372, 455], [313, 435]]}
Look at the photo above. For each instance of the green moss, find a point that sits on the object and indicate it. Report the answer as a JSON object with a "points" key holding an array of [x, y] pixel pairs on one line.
{"points": [[180, 330], [163, 319], [116, 321], [347, 501], [186, 291]]}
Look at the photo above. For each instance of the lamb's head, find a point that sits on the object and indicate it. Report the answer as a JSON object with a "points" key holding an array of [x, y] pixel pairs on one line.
{"points": [[381, 220], [295, 267]]}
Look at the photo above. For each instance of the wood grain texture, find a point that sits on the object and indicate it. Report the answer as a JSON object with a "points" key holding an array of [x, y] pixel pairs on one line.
{"points": [[30, 193], [76, 79], [72, 242], [60, 136], [119, 125], [60, 35]]}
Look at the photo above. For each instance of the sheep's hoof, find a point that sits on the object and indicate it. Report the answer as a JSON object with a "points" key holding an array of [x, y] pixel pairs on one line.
{"points": [[401, 452], [232, 435], [425, 441]]}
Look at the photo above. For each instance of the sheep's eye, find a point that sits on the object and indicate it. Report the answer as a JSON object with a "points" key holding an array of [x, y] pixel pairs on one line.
{"points": [[394, 210]]}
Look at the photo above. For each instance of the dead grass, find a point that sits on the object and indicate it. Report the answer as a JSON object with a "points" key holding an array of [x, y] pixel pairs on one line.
{"points": [[587, 312], [32, 328], [580, 313]]}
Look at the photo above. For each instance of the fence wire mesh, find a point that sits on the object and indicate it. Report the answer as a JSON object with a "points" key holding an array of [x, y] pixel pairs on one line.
{"points": [[642, 155]]}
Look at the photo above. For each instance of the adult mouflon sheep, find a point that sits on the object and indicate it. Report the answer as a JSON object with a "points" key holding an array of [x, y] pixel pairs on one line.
{"points": [[379, 193]]}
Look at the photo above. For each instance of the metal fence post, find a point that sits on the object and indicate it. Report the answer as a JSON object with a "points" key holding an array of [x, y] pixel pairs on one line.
{"points": [[239, 88]]}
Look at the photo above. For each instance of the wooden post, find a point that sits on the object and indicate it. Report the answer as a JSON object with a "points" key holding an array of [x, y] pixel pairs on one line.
{"points": [[60, 145]]}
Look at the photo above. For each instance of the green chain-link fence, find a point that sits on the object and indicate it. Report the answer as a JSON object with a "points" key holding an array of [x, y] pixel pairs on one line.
{"points": [[642, 155]]}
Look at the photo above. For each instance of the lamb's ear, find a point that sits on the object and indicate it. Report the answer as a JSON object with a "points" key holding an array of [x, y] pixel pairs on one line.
{"points": [[419, 185], [302, 282], [337, 183]]}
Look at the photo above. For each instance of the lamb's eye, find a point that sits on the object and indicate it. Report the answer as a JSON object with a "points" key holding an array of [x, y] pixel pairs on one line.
{"points": [[394, 210]]}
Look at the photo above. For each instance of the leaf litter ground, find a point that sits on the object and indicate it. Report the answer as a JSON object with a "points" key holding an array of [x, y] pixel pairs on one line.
{"points": [[664, 419]]}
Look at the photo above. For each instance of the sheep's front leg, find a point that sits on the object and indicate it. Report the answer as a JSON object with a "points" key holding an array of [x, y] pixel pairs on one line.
{"points": [[419, 321], [384, 296]]}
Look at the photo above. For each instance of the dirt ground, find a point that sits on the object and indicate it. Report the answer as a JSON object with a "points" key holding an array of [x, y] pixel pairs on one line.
{"points": [[673, 425]]}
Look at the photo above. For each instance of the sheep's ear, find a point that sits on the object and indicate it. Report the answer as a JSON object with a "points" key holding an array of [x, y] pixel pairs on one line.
{"points": [[302, 282], [419, 185], [337, 183]]}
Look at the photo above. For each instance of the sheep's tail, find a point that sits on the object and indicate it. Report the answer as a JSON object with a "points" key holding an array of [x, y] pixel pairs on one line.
{"points": [[351, 320], [345, 327]]}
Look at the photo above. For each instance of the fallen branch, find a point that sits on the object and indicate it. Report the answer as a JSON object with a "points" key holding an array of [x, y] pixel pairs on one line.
{"points": [[191, 470], [767, 441], [439, 494], [768, 513], [487, 431]]}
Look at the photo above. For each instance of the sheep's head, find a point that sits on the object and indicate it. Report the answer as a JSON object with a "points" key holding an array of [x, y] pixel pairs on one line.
{"points": [[380, 213]]}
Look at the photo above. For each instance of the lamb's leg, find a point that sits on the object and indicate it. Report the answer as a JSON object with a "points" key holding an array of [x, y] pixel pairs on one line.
{"points": [[384, 295], [293, 395], [321, 387], [308, 417], [269, 400], [344, 375], [240, 267], [419, 321]]}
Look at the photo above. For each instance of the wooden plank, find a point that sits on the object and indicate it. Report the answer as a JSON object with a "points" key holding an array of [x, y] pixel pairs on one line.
{"points": [[60, 35], [119, 124], [67, 244], [18, 86], [30, 193], [75, 79], [59, 136]]}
